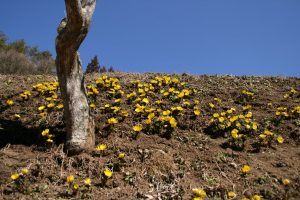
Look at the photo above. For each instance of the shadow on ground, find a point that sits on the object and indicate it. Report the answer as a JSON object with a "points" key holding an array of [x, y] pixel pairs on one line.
{"points": [[14, 132]]}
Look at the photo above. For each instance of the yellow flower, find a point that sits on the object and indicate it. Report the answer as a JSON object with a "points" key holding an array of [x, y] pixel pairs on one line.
{"points": [[216, 115], [280, 139], [247, 107], [14, 176], [267, 132], [231, 194], [112, 120], [248, 115], [234, 133], [148, 121], [92, 105], [245, 198], [233, 119], [43, 114], [121, 155], [171, 89], [248, 93], [197, 112], [254, 126], [256, 197], [186, 103], [49, 140], [108, 173], [217, 100], [228, 124], [101, 147], [41, 108], [9, 102], [50, 105], [26, 92], [199, 192], [221, 119], [60, 106], [139, 109], [45, 132], [241, 116], [24, 171], [87, 182], [151, 116], [285, 114], [17, 116], [211, 105], [286, 182], [145, 100], [166, 112], [137, 128], [70, 179], [173, 123], [293, 91], [75, 186], [246, 169], [197, 198], [229, 111], [158, 101], [179, 108], [262, 136], [180, 95], [238, 124]]}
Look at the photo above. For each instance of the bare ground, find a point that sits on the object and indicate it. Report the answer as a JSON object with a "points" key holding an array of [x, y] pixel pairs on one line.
{"points": [[156, 166]]}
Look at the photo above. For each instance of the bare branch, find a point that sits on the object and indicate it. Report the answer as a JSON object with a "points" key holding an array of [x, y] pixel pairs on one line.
{"points": [[76, 24]]}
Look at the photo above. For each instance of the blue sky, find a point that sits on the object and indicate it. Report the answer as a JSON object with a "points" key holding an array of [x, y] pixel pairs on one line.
{"points": [[239, 37]]}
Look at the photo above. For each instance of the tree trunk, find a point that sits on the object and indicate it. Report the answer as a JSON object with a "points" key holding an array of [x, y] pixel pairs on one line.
{"points": [[71, 32]]}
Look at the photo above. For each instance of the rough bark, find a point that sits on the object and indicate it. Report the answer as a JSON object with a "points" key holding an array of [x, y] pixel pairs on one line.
{"points": [[71, 32]]}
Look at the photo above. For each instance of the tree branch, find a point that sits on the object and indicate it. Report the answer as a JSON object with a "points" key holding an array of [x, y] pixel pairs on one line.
{"points": [[76, 24]]}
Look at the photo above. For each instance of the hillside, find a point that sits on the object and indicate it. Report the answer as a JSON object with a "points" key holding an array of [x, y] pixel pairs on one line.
{"points": [[160, 136]]}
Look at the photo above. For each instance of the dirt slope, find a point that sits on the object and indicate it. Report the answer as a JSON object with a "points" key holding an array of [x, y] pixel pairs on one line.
{"points": [[196, 132]]}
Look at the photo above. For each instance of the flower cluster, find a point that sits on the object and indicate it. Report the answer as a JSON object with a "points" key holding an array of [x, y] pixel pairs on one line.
{"points": [[234, 126], [147, 102], [291, 93], [17, 176], [110, 85], [46, 134], [267, 137], [25, 95], [46, 87], [228, 120], [75, 186], [199, 193], [245, 97], [48, 90], [92, 90]]}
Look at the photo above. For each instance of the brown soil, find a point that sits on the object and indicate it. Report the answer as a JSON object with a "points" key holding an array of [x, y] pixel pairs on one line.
{"points": [[156, 165]]}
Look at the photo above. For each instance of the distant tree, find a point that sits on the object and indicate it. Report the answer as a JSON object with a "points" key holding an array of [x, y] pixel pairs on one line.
{"points": [[13, 62], [93, 66], [72, 30], [19, 58], [111, 69], [3, 40], [103, 69], [19, 46]]}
